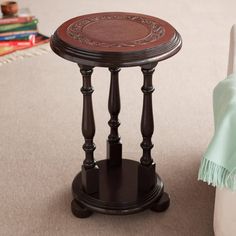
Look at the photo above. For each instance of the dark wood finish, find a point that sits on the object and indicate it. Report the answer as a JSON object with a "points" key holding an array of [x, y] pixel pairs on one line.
{"points": [[147, 123], [161, 204], [118, 190], [113, 39], [146, 175], [90, 172], [79, 210], [114, 146]]}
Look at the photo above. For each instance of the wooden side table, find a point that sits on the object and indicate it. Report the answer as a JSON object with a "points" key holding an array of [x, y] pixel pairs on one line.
{"points": [[115, 40]]}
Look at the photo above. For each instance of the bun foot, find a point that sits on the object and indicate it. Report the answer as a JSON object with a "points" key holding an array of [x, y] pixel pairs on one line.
{"points": [[80, 210], [162, 204]]}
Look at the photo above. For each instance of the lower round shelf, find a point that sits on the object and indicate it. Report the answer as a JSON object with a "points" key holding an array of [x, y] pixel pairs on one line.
{"points": [[118, 190]]}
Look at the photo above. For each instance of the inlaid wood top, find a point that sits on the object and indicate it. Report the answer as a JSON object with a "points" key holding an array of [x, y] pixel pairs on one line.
{"points": [[115, 38]]}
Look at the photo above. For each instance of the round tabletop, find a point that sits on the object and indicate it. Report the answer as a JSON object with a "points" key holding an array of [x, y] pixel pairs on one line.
{"points": [[115, 39]]}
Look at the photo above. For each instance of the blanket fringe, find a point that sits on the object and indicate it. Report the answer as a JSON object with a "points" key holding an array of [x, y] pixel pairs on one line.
{"points": [[216, 175], [20, 54]]}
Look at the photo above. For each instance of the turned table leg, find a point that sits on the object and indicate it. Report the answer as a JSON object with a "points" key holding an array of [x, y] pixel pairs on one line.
{"points": [[114, 146], [146, 172], [90, 171]]}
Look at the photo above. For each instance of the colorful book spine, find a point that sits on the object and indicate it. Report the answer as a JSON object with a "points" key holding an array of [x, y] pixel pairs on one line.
{"points": [[18, 33], [16, 37], [16, 20], [20, 43], [19, 27], [39, 39], [16, 43]]}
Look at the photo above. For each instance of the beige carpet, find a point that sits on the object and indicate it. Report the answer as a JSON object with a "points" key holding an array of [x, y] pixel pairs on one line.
{"points": [[40, 119]]}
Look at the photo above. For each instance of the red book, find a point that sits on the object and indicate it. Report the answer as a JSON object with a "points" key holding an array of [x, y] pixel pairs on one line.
{"points": [[20, 43], [15, 43], [39, 39], [15, 20]]}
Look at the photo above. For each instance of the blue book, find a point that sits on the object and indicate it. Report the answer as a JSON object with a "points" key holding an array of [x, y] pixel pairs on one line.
{"points": [[19, 36]]}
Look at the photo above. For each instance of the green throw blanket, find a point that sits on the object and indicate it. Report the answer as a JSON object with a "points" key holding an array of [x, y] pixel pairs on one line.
{"points": [[218, 166]]}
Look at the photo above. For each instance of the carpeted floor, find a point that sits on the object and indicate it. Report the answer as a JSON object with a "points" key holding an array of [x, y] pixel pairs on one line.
{"points": [[40, 124]]}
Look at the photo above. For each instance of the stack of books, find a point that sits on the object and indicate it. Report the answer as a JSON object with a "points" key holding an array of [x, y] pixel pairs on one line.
{"points": [[19, 32]]}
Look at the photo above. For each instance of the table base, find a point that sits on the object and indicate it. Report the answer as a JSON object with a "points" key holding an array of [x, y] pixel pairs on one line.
{"points": [[118, 192]]}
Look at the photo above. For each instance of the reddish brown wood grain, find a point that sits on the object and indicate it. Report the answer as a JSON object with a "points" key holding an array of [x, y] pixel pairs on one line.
{"points": [[115, 38]]}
